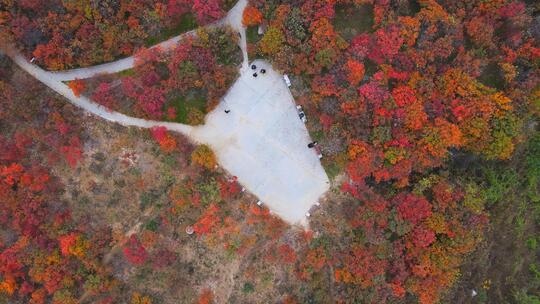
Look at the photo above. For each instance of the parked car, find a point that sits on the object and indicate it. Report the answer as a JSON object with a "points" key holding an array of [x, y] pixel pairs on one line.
{"points": [[301, 113], [287, 80]]}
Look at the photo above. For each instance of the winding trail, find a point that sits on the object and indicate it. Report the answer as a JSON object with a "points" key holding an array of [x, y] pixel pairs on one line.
{"points": [[261, 140], [54, 80], [90, 106], [233, 19]]}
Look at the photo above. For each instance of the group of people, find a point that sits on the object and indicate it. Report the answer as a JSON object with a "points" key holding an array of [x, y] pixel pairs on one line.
{"points": [[254, 67]]}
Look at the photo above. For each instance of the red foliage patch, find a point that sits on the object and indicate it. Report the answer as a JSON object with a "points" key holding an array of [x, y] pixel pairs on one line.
{"points": [[134, 251], [412, 208]]}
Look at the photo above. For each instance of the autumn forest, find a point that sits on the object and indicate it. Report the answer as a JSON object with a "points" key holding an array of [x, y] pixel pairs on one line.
{"points": [[425, 112]]}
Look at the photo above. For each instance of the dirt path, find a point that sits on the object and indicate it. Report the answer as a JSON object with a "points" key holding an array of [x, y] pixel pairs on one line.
{"points": [[90, 106], [233, 18]]}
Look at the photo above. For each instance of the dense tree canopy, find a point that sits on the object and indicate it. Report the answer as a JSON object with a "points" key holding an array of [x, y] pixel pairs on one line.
{"points": [[398, 93], [179, 85], [45, 255], [393, 98], [412, 87], [65, 34]]}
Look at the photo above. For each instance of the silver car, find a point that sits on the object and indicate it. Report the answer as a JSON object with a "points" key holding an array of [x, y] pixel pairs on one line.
{"points": [[301, 113]]}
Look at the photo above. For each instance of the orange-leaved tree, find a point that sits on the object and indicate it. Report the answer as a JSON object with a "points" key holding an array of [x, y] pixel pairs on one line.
{"points": [[251, 16], [203, 156], [166, 141], [77, 86], [206, 297], [355, 71]]}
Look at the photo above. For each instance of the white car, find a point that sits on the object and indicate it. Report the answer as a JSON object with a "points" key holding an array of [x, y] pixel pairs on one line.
{"points": [[301, 113], [287, 80]]}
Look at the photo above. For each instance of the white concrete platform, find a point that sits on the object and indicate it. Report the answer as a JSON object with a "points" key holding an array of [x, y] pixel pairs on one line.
{"points": [[263, 142]]}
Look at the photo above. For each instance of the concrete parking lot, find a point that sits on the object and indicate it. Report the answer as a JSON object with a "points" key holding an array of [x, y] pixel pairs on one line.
{"points": [[263, 142]]}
